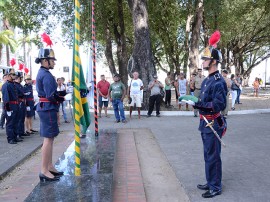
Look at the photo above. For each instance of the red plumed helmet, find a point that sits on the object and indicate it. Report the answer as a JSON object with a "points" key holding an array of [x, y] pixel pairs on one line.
{"points": [[46, 39], [21, 66], [12, 62], [214, 39]]}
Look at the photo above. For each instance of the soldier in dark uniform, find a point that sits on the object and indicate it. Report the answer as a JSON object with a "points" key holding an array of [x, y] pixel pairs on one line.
{"points": [[47, 109], [3, 114], [29, 102], [211, 101], [19, 129], [11, 105]]}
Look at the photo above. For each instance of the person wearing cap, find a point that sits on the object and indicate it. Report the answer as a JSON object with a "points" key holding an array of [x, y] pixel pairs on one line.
{"points": [[155, 97], [228, 83], [47, 109], [21, 113], [11, 105], [197, 87], [3, 114], [117, 92], [29, 102], [211, 101]]}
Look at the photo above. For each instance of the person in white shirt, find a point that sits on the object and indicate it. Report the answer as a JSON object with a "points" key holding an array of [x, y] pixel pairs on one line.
{"points": [[61, 88], [134, 89]]}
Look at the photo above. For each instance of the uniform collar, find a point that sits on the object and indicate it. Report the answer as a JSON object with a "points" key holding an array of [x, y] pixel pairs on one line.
{"points": [[212, 74], [44, 68]]}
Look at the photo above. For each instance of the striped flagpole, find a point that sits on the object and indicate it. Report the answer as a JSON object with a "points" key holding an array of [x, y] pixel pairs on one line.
{"points": [[94, 66], [77, 90]]}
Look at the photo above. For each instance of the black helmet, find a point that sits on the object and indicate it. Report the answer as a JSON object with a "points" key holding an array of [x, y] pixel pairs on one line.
{"points": [[19, 74], [210, 52], [9, 71], [45, 53]]}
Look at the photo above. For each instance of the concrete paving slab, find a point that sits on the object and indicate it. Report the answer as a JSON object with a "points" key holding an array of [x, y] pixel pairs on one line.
{"points": [[246, 174]]}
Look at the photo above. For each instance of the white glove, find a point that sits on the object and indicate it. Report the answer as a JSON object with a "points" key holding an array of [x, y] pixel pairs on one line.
{"points": [[28, 109], [27, 93], [68, 96], [9, 113], [189, 102]]}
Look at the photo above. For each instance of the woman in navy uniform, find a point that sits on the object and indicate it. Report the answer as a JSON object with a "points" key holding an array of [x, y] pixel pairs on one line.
{"points": [[11, 105], [211, 101], [47, 109], [29, 102], [21, 113]]}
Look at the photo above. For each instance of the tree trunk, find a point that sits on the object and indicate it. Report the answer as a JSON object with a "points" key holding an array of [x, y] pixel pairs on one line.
{"points": [[108, 50], [142, 57], [8, 55], [187, 32], [24, 49], [195, 37], [120, 39]]}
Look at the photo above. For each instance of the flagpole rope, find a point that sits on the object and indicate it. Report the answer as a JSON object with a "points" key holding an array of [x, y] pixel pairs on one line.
{"points": [[77, 95], [94, 66]]}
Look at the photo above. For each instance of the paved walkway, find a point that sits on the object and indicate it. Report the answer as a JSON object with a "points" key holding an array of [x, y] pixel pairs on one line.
{"points": [[246, 174]]}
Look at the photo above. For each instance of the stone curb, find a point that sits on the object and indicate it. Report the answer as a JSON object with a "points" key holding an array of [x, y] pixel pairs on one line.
{"points": [[190, 113], [7, 171]]}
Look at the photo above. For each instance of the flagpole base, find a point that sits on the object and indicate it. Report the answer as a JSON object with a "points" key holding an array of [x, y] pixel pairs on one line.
{"points": [[77, 172]]}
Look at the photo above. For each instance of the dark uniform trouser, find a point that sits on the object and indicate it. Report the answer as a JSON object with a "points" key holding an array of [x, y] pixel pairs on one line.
{"points": [[152, 100], [21, 119], [213, 167], [168, 96], [11, 125]]}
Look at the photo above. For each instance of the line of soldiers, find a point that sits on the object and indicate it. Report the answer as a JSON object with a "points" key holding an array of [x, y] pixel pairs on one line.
{"points": [[18, 103]]}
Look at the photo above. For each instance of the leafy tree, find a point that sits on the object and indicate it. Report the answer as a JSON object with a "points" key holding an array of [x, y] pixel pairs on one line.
{"points": [[29, 15], [7, 38]]}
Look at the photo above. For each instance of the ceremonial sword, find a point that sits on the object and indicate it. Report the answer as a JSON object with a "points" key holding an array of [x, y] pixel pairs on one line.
{"points": [[215, 132]]}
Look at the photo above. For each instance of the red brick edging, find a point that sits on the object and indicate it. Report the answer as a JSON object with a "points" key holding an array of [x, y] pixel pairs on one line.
{"points": [[127, 182]]}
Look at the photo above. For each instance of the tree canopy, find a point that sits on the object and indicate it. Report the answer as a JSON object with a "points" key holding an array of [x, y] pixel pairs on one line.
{"points": [[244, 25]]}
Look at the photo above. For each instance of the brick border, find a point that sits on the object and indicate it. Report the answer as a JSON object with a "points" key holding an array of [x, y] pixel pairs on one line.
{"points": [[128, 181]]}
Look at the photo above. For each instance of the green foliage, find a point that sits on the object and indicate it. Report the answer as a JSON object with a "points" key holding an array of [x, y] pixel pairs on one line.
{"points": [[7, 38], [27, 15]]}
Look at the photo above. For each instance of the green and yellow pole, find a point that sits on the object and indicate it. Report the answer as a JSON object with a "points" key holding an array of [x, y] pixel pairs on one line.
{"points": [[77, 96]]}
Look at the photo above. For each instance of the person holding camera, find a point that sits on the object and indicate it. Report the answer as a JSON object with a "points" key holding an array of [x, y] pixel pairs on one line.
{"points": [[134, 88], [155, 98]]}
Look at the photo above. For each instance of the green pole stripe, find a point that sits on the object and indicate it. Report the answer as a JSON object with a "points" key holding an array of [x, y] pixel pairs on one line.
{"points": [[77, 165], [77, 144]]}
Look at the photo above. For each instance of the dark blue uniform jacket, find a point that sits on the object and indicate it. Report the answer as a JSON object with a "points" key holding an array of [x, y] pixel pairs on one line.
{"points": [[212, 100]]}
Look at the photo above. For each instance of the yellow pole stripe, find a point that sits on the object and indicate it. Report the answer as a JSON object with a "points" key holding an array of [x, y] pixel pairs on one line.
{"points": [[76, 91]]}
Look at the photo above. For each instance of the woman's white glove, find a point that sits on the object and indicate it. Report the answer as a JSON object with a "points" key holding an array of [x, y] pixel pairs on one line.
{"points": [[28, 108], [9, 113]]}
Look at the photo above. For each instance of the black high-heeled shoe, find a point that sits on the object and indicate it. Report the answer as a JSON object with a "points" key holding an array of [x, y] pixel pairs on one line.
{"points": [[44, 178], [57, 174]]}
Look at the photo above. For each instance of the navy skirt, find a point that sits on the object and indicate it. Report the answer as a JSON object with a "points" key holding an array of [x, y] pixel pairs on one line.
{"points": [[30, 113], [48, 123]]}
